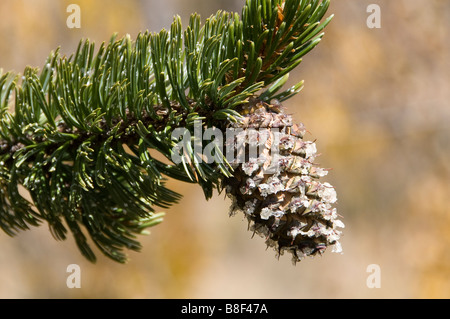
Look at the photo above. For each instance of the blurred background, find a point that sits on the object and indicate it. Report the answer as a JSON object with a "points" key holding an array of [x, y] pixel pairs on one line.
{"points": [[376, 100]]}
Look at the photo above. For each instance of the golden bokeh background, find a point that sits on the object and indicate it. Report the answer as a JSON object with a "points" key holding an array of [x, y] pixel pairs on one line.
{"points": [[376, 100]]}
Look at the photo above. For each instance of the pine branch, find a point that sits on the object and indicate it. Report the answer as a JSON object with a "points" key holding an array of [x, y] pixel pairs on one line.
{"points": [[78, 140]]}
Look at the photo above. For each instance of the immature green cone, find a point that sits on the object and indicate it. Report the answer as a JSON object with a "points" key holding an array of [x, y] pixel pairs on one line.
{"points": [[278, 189]]}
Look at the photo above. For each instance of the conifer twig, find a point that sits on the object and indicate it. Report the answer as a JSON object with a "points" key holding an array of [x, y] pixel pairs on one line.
{"points": [[78, 139]]}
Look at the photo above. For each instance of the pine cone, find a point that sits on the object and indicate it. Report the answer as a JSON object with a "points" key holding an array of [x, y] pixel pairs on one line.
{"points": [[275, 184]]}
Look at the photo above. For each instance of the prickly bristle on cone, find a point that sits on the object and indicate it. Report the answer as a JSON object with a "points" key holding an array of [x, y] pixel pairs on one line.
{"points": [[276, 184]]}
